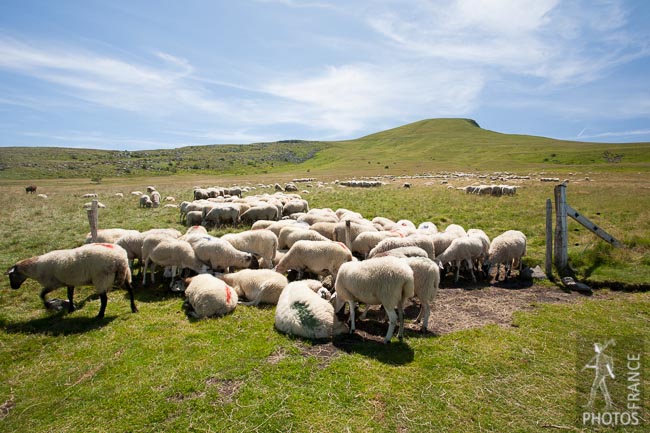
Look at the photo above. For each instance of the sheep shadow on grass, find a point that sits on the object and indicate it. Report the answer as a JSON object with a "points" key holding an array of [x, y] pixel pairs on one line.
{"points": [[56, 325], [371, 345]]}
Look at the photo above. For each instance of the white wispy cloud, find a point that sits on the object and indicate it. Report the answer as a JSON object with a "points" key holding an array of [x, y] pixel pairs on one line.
{"points": [[614, 134]]}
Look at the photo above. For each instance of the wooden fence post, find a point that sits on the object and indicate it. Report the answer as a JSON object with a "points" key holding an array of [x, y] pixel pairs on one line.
{"points": [[549, 238], [561, 234], [93, 220]]}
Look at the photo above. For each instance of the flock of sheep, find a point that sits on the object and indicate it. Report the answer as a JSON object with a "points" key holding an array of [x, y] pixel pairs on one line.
{"points": [[308, 262]]}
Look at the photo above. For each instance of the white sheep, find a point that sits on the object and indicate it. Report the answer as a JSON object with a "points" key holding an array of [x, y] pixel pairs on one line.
{"points": [[100, 265], [289, 235], [145, 201], [456, 229], [507, 248], [404, 252], [426, 280], [318, 257], [304, 313], [383, 280], [295, 206], [220, 255], [324, 228], [357, 227], [109, 236], [366, 241], [208, 296], [155, 198], [423, 241], [263, 243], [193, 218], [259, 286], [220, 215], [462, 249], [159, 249]]}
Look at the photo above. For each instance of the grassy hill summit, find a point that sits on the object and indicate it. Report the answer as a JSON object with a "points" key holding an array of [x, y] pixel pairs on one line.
{"points": [[425, 146]]}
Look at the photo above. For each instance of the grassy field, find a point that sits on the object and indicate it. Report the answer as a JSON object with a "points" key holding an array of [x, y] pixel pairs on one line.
{"points": [[157, 371]]}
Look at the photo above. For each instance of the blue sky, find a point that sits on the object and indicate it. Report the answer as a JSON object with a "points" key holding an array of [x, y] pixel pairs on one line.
{"points": [[158, 74]]}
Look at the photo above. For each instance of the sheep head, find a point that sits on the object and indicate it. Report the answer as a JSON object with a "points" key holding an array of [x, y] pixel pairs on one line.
{"points": [[16, 278]]}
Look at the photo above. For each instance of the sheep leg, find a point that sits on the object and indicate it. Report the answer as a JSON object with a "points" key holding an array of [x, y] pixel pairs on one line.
{"points": [[425, 311], [392, 320], [352, 328], [400, 315], [70, 296], [144, 271], [470, 265], [457, 271], [129, 289], [103, 299]]}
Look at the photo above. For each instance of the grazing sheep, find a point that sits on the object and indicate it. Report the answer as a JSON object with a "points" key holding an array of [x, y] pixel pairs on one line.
{"points": [[485, 240], [193, 218], [428, 227], [41, 195], [100, 265], [89, 195], [318, 215], [31, 189], [109, 236], [383, 223], [441, 241], [119, 195], [262, 212], [404, 252], [170, 198], [456, 229], [295, 206], [422, 241], [263, 243], [220, 255], [304, 313], [136, 193], [426, 280], [324, 228], [366, 241], [220, 215], [259, 286], [208, 296], [507, 248], [155, 198], [462, 249], [384, 280], [356, 227], [318, 257], [201, 194], [132, 244], [163, 250]]}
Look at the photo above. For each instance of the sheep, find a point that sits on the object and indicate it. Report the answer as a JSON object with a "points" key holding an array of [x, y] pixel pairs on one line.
{"points": [[312, 217], [193, 218], [155, 198], [119, 195], [89, 195], [201, 193], [220, 255], [132, 244], [422, 241], [356, 227], [109, 236], [208, 296], [160, 249], [485, 240], [318, 257], [256, 213], [41, 196], [304, 313], [456, 229], [383, 223], [383, 280], [219, 215], [145, 201], [324, 228], [262, 243], [295, 206], [462, 249], [100, 265], [442, 240], [289, 235], [30, 189], [404, 252], [170, 198], [426, 280], [275, 226], [507, 248], [136, 193], [366, 241], [259, 286], [428, 227]]}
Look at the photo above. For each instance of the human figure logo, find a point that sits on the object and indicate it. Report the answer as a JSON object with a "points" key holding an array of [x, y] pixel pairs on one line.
{"points": [[613, 395]]}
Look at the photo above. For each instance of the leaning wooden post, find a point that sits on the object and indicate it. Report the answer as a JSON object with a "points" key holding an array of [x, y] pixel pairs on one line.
{"points": [[561, 231], [92, 219], [549, 238], [348, 242]]}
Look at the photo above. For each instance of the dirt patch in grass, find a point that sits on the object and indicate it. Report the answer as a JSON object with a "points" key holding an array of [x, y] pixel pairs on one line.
{"points": [[227, 388], [6, 407]]}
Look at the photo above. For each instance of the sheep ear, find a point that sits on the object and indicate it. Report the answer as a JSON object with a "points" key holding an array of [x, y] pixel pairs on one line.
{"points": [[11, 270]]}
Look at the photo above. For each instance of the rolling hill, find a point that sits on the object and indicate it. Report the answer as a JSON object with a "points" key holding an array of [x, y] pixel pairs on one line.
{"points": [[424, 146]]}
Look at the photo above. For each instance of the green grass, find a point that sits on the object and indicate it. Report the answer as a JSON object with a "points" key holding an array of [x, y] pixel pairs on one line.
{"points": [[158, 371]]}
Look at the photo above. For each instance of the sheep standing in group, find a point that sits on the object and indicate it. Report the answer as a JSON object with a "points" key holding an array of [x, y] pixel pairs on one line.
{"points": [[426, 280], [221, 255], [262, 243], [318, 257], [302, 312], [422, 241], [462, 249], [145, 201], [166, 251], [100, 265], [508, 248], [383, 280], [220, 215], [259, 286], [289, 235], [208, 296]]}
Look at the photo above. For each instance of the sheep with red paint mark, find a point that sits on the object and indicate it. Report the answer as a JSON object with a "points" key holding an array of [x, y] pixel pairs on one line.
{"points": [[101, 265], [208, 296]]}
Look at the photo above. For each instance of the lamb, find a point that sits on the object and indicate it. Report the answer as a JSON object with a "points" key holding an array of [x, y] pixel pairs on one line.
{"points": [[163, 250], [100, 265], [426, 280], [221, 255], [208, 296], [383, 280], [462, 249], [262, 243], [304, 313], [318, 257], [422, 241], [507, 248], [259, 286]]}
